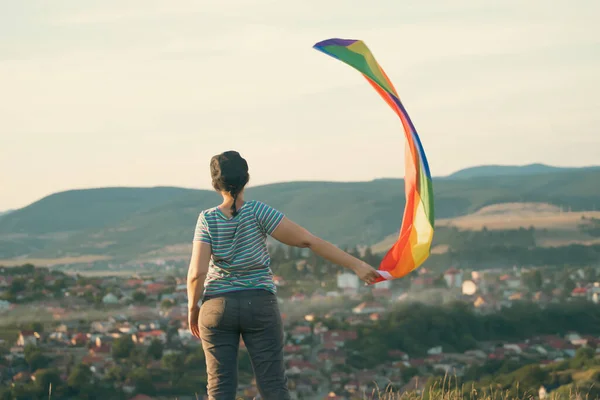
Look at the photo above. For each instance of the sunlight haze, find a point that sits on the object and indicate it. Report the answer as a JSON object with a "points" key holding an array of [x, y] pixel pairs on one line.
{"points": [[143, 92]]}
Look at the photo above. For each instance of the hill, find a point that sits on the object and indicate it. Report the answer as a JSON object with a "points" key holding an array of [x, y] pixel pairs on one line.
{"points": [[85, 209], [134, 223], [503, 170]]}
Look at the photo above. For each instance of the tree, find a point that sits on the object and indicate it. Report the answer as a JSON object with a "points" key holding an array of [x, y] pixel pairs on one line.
{"points": [[370, 258], [278, 254], [17, 286], [532, 374], [21, 391], [115, 374], [5, 394], [288, 270], [316, 261], [35, 326], [569, 285], [408, 372], [38, 282], [170, 280], [292, 253], [123, 347], [142, 380], [80, 380], [192, 383], [27, 269], [172, 333], [583, 357], [195, 361], [354, 252], [34, 358], [46, 377], [440, 282], [138, 296], [155, 350], [174, 363], [533, 280], [368, 296], [590, 274], [166, 304]]}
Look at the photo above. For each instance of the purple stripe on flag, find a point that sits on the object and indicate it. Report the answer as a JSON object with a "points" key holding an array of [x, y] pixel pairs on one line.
{"points": [[336, 42]]}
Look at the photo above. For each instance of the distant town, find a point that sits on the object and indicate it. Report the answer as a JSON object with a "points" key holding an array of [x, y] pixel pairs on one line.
{"points": [[129, 335]]}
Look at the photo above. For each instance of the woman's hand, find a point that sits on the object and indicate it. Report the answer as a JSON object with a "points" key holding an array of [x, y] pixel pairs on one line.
{"points": [[366, 273], [193, 315]]}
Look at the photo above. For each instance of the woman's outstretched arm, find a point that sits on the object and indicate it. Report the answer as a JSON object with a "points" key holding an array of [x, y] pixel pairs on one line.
{"points": [[195, 282], [292, 234]]}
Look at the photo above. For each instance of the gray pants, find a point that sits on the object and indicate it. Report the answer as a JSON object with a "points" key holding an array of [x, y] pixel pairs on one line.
{"points": [[253, 314]]}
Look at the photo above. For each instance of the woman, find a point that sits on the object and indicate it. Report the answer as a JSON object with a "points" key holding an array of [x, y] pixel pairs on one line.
{"points": [[230, 266]]}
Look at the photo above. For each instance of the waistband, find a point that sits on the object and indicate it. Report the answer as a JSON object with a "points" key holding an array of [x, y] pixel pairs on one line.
{"points": [[242, 293]]}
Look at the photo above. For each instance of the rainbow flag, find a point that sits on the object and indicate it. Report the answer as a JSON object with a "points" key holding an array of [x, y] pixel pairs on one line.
{"points": [[413, 245]]}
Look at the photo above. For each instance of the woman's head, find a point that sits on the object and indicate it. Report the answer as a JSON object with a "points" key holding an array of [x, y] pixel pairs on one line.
{"points": [[229, 172]]}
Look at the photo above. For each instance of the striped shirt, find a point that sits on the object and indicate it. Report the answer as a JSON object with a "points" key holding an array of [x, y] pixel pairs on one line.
{"points": [[240, 259]]}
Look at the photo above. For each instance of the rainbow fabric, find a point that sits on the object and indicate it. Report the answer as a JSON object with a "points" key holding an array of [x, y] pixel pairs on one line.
{"points": [[413, 245]]}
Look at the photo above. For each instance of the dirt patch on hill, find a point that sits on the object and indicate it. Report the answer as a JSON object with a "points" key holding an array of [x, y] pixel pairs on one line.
{"points": [[554, 226], [521, 215]]}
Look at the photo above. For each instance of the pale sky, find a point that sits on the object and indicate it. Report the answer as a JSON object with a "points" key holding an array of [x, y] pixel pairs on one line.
{"points": [[143, 92]]}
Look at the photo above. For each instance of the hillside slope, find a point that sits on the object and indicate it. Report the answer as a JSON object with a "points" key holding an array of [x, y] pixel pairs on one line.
{"points": [[125, 223], [83, 209]]}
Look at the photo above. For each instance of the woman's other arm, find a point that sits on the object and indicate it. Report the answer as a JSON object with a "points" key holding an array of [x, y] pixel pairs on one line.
{"points": [[292, 234], [197, 271]]}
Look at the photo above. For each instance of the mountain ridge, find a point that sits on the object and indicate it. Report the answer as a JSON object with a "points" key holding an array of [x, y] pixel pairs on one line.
{"points": [[475, 171], [503, 170], [123, 223]]}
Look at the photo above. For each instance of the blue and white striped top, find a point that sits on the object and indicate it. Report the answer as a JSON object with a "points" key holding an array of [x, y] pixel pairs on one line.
{"points": [[240, 259]]}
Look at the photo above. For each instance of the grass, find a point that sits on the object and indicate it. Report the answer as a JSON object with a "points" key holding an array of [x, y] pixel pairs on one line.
{"points": [[586, 375], [447, 395], [447, 390]]}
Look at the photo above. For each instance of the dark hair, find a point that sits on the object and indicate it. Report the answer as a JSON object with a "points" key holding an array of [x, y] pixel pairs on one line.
{"points": [[229, 172]]}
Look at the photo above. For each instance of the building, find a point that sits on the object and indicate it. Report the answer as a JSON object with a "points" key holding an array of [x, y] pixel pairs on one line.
{"points": [[28, 337], [368, 307], [594, 292], [4, 305], [383, 285], [338, 338], [279, 281], [347, 281], [149, 336], [453, 278], [110, 299]]}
